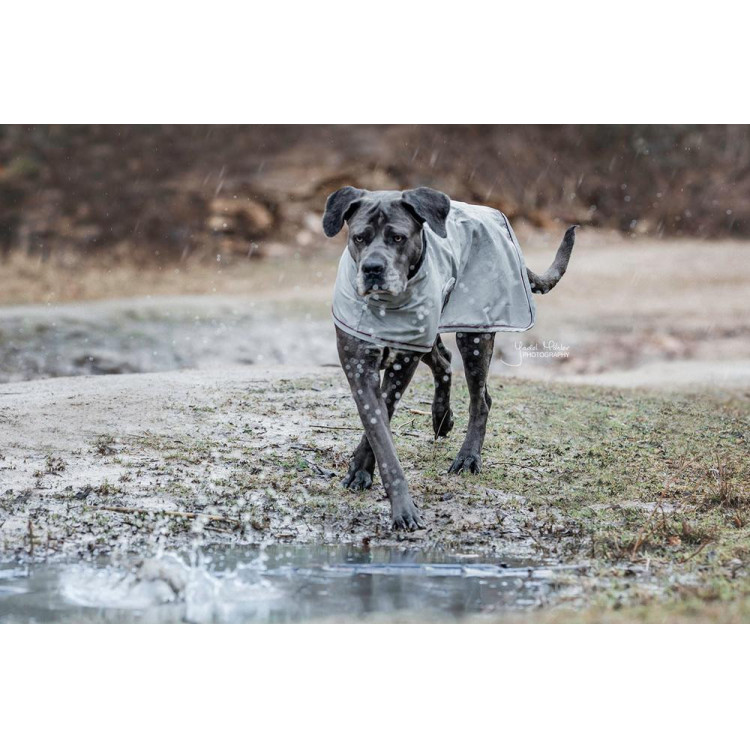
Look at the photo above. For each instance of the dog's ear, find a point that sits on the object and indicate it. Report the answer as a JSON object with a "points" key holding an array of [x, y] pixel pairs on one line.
{"points": [[339, 206], [429, 205]]}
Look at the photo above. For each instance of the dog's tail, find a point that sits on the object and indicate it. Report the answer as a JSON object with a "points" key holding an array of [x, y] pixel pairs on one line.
{"points": [[548, 280]]}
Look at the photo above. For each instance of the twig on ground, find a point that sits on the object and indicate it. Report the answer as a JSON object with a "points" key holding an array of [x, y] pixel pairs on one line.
{"points": [[698, 551], [327, 473], [219, 529], [334, 427], [440, 427], [409, 424]]}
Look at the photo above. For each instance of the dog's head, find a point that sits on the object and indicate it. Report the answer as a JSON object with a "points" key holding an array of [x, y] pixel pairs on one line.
{"points": [[385, 232]]}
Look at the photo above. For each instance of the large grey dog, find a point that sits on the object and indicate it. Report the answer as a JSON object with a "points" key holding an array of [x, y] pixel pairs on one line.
{"points": [[388, 246]]}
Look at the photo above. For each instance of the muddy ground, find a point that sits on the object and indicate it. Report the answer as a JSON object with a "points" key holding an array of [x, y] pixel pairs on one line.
{"points": [[641, 499]]}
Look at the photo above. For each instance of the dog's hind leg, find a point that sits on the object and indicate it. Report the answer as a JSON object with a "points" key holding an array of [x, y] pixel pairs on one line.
{"points": [[439, 361], [476, 351], [398, 373]]}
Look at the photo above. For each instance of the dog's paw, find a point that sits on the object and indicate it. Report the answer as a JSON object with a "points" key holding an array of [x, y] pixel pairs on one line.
{"points": [[407, 519], [357, 479], [466, 462], [442, 422]]}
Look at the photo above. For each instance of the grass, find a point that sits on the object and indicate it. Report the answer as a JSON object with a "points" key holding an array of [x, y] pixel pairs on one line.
{"points": [[626, 479]]}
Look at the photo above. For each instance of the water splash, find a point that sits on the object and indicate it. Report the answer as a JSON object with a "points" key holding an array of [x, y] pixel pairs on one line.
{"points": [[276, 583]]}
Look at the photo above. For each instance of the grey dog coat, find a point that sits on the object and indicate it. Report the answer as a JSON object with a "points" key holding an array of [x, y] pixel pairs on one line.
{"points": [[474, 280]]}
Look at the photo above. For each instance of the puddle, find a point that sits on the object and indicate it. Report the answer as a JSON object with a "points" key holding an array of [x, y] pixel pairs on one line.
{"points": [[276, 584]]}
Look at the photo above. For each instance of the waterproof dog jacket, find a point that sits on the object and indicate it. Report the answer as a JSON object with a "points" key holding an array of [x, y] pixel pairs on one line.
{"points": [[474, 280]]}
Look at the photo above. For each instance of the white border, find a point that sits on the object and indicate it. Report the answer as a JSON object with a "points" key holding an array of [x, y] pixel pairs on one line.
{"points": [[384, 61], [374, 686]]}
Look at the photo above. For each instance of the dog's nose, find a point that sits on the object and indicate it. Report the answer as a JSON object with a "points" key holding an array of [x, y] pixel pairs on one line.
{"points": [[373, 267]]}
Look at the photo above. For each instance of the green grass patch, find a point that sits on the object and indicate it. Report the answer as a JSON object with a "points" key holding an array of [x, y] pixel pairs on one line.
{"points": [[616, 476]]}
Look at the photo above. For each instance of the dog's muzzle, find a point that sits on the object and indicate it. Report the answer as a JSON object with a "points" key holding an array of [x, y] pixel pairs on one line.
{"points": [[372, 275], [372, 283]]}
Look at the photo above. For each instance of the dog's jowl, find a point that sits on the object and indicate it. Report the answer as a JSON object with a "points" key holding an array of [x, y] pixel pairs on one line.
{"points": [[417, 265]]}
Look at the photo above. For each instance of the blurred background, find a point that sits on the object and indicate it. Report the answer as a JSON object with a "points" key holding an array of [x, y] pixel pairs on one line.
{"points": [[144, 248]]}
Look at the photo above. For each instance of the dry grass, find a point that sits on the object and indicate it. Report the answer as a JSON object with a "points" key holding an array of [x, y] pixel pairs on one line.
{"points": [[729, 490], [610, 276], [30, 280]]}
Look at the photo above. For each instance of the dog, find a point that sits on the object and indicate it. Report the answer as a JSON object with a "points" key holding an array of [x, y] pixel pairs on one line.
{"points": [[417, 265]]}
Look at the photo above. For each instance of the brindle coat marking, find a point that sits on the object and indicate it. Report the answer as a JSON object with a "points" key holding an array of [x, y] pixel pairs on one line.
{"points": [[385, 240]]}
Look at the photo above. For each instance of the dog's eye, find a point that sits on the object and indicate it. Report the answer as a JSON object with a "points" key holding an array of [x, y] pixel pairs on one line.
{"points": [[359, 238], [398, 238]]}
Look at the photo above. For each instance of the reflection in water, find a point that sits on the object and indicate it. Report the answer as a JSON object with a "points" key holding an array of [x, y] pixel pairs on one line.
{"points": [[273, 584]]}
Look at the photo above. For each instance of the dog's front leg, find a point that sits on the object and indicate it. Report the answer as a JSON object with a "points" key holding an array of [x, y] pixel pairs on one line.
{"points": [[398, 374], [361, 363]]}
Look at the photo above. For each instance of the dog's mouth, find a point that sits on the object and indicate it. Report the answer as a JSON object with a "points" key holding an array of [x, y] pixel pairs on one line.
{"points": [[368, 286], [375, 289]]}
